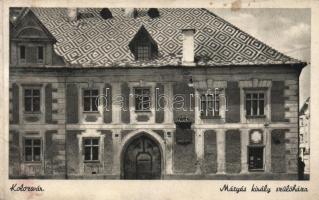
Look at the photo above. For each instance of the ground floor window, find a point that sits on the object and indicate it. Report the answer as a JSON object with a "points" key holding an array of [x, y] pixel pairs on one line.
{"points": [[256, 158], [32, 149], [91, 149]]}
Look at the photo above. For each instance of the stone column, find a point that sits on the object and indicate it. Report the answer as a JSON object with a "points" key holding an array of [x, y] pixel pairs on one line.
{"points": [[244, 141], [199, 149], [116, 107], [169, 151], [197, 107], [81, 163], [220, 152], [116, 137], [267, 137], [168, 110]]}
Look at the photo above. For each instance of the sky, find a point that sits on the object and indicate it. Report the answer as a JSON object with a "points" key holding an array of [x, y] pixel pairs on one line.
{"points": [[286, 30]]}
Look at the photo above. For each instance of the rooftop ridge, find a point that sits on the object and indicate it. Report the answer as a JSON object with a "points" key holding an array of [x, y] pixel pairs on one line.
{"points": [[251, 35], [105, 42]]}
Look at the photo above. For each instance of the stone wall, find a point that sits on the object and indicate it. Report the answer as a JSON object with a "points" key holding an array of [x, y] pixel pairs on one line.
{"points": [[278, 151], [210, 152], [233, 151], [184, 157], [61, 143]]}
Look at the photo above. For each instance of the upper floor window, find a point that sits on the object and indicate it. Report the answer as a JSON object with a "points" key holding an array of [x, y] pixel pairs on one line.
{"points": [[31, 54], [32, 149], [32, 100], [143, 51], [255, 104], [209, 105], [90, 100], [91, 149], [40, 54], [22, 54], [142, 99]]}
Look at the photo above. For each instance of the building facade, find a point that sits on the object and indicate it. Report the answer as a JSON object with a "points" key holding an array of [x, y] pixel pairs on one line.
{"points": [[148, 94], [304, 135]]}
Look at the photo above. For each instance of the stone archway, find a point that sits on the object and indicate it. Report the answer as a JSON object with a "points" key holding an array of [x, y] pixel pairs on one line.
{"points": [[141, 157]]}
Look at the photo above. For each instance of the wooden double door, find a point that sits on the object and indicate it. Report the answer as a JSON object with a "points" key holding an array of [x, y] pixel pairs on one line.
{"points": [[142, 159]]}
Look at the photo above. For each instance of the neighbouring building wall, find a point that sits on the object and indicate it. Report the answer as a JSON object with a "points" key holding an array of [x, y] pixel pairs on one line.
{"points": [[304, 135]]}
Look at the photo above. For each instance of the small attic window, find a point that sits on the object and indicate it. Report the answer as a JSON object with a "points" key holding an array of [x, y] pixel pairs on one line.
{"points": [[144, 51], [31, 54], [143, 46], [153, 13], [106, 13]]}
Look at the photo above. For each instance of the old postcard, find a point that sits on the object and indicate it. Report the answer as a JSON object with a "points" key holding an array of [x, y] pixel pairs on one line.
{"points": [[130, 100]]}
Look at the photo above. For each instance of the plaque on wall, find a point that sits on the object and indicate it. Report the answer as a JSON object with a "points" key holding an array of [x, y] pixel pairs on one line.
{"points": [[256, 137]]}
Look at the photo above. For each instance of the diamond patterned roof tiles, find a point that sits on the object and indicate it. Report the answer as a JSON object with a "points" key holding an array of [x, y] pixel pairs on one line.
{"points": [[92, 41]]}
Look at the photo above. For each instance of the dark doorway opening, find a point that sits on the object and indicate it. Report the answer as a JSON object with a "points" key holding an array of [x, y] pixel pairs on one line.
{"points": [[256, 158], [142, 159]]}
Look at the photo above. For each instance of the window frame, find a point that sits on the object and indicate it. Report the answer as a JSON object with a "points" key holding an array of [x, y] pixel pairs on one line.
{"points": [[148, 47], [91, 97], [91, 146], [260, 144], [30, 45], [32, 146], [149, 99], [264, 99], [40, 61], [32, 99], [210, 114], [22, 60], [249, 147]]}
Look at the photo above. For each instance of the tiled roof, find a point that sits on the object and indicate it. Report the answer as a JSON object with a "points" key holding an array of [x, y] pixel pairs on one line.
{"points": [[95, 42]]}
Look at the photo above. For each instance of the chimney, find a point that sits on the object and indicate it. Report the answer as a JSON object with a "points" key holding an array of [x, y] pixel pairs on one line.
{"points": [[188, 47], [130, 12], [106, 13], [153, 12], [73, 14]]}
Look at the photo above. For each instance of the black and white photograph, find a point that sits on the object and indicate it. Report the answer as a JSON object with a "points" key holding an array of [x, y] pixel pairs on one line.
{"points": [[159, 100], [159, 93]]}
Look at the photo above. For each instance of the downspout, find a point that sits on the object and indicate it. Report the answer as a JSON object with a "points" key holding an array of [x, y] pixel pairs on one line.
{"points": [[65, 145]]}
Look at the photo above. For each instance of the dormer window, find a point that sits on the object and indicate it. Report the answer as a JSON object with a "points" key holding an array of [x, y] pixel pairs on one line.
{"points": [[22, 54], [40, 53], [31, 54], [143, 46], [143, 51]]}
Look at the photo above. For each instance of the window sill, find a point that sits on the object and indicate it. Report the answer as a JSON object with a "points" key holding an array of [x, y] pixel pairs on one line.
{"points": [[256, 145], [143, 111], [256, 170], [33, 162], [92, 161], [184, 142], [256, 117], [32, 113], [91, 112], [210, 117], [30, 64]]}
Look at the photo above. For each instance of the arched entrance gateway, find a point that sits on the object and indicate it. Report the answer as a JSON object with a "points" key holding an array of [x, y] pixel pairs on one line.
{"points": [[141, 158]]}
